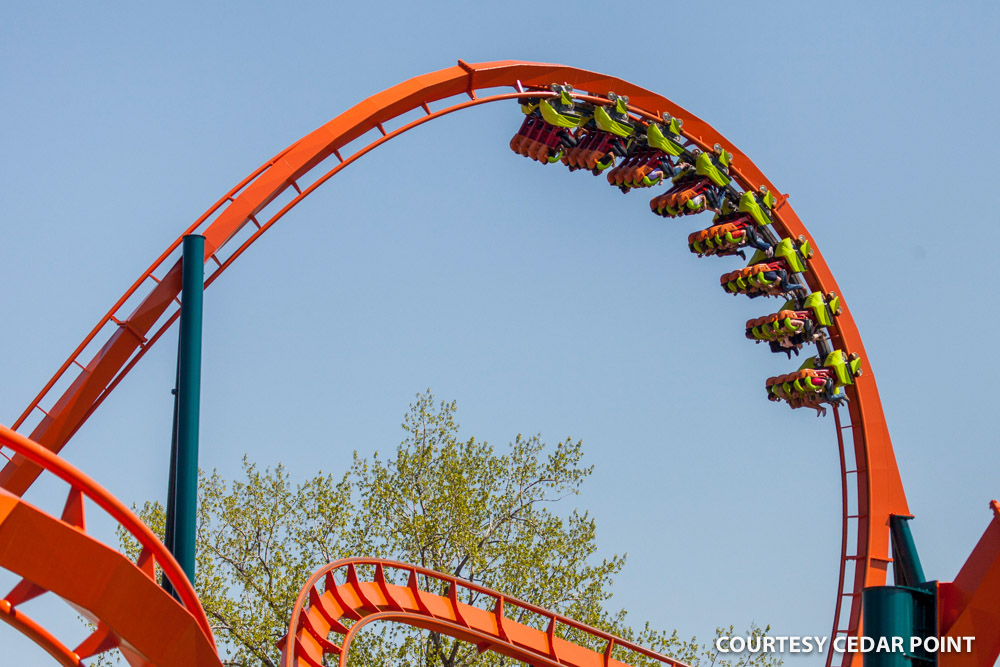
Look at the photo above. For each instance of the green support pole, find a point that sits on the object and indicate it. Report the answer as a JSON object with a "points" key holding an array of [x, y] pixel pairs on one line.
{"points": [[899, 611], [188, 403], [906, 569], [906, 610]]}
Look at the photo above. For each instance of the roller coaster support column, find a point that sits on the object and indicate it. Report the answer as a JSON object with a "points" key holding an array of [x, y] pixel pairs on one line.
{"points": [[906, 568], [903, 611], [182, 498]]}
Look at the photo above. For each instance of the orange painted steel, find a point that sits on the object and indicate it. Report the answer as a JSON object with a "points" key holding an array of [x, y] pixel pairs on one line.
{"points": [[56, 555], [21, 622], [343, 609], [879, 488], [968, 606]]}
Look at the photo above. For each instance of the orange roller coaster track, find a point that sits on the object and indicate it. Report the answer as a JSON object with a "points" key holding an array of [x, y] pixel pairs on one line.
{"points": [[56, 555], [462, 610], [127, 331]]}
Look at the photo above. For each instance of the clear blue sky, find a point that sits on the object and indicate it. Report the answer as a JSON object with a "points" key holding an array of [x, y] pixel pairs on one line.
{"points": [[542, 301]]}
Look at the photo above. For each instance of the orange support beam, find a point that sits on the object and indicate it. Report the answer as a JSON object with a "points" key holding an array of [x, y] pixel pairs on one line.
{"points": [[970, 605]]}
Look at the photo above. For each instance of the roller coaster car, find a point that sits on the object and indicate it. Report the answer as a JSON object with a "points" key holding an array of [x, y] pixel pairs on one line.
{"points": [[608, 134], [696, 188], [642, 168], [785, 331], [647, 164], [761, 279], [816, 382], [798, 322], [770, 276], [728, 236], [803, 383], [547, 129], [803, 399], [688, 195]]}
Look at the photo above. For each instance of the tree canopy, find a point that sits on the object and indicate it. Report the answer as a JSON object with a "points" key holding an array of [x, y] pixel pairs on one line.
{"points": [[457, 506]]}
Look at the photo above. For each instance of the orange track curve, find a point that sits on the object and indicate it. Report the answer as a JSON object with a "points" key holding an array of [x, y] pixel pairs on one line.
{"points": [[131, 611], [487, 624], [125, 337]]}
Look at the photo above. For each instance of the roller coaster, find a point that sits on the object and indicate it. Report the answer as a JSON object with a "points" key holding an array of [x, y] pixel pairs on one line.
{"points": [[587, 122]]}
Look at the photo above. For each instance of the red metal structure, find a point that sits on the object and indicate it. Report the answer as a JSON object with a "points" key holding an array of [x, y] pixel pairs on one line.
{"points": [[243, 214]]}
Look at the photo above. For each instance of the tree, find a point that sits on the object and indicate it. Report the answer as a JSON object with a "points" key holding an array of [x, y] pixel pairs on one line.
{"points": [[452, 505]]}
